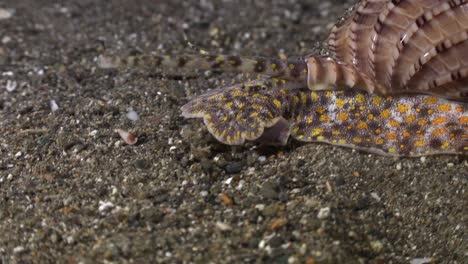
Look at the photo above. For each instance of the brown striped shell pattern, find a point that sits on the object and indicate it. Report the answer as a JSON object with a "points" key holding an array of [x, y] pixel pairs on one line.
{"points": [[410, 46]]}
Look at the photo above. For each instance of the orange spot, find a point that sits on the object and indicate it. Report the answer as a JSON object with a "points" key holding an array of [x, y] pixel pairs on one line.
{"points": [[403, 108], [235, 93], [422, 122], [394, 123], [391, 136], [379, 141], [459, 109], [444, 107], [342, 116], [257, 107], [313, 95], [277, 103], [385, 113], [463, 119], [228, 104], [339, 103], [419, 143], [377, 100], [357, 140], [370, 116], [406, 134], [324, 118], [296, 100], [316, 131], [438, 132], [360, 98], [378, 131], [320, 110], [362, 125], [431, 100], [439, 120], [410, 118]]}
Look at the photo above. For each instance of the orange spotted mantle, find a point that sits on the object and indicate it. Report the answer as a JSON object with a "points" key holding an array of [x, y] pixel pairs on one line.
{"points": [[402, 126]]}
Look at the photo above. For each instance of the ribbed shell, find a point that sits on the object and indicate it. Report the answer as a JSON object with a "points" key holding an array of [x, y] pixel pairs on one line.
{"points": [[410, 46]]}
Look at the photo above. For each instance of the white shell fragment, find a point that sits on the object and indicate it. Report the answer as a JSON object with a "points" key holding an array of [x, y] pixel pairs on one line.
{"points": [[53, 105]]}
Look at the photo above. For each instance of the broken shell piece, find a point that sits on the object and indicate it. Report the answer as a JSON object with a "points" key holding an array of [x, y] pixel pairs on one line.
{"points": [[128, 137]]}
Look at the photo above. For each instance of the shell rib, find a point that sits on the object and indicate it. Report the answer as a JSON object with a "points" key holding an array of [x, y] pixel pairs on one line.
{"points": [[412, 46]]}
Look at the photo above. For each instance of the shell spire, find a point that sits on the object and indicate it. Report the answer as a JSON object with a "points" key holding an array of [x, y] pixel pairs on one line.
{"points": [[412, 46]]}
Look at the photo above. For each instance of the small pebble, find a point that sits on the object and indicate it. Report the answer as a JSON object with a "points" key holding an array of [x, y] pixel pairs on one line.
{"points": [[128, 137], [105, 62], [70, 240], [377, 246], [292, 260], [270, 210], [11, 85], [132, 115], [7, 73], [93, 133], [398, 166], [421, 260], [269, 190], [260, 207], [323, 213], [6, 40], [227, 201], [53, 106], [142, 164], [375, 196], [277, 223], [222, 226], [240, 185], [5, 14], [105, 206], [228, 181], [233, 167], [18, 249]]}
